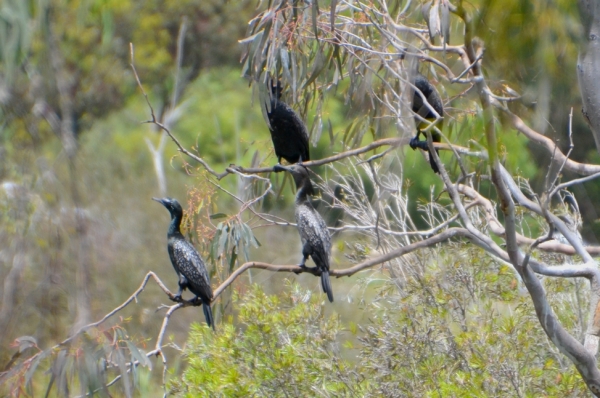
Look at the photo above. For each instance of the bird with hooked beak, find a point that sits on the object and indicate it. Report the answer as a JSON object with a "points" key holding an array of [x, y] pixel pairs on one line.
{"points": [[187, 261]]}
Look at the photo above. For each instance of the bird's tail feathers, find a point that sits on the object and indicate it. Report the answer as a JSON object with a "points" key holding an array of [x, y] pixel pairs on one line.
{"points": [[434, 166], [208, 314], [326, 283]]}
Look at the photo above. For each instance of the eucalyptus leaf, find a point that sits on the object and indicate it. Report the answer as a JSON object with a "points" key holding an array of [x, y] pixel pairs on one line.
{"points": [[26, 342], [30, 372], [445, 22], [249, 39], [434, 20], [316, 130], [314, 15], [138, 355]]}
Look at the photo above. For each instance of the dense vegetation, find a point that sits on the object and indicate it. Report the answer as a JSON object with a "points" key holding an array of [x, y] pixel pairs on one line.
{"points": [[79, 231]]}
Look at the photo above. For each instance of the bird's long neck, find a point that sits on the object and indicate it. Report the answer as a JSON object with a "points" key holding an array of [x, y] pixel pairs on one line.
{"points": [[174, 227], [304, 191]]}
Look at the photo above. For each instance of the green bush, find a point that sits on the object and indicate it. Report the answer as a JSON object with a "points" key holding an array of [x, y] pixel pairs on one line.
{"points": [[281, 346], [456, 325]]}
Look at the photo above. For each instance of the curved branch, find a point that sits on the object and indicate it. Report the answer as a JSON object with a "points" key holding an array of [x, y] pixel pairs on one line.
{"points": [[587, 270], [571, 165], [498, 230], [445, 235]]}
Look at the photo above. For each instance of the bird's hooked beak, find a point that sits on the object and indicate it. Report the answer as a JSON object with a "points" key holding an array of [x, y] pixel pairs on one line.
{"points": [[159, 200], [277, 168]]}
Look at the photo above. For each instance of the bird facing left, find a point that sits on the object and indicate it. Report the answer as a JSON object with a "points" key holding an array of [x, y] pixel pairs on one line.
{"points": [[187, 261]]}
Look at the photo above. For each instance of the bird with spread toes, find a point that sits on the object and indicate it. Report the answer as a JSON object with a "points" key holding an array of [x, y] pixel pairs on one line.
{"points": [[423, 111], [288, 131], [187, 262], [315, 237]]}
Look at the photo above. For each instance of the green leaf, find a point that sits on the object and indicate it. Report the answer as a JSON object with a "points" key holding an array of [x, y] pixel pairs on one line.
{"points": [[232, 260], [250, 39], [318, 66], [121, 363], [139, 355], [30, 372], [314, 15], [217, 216], [26, 342], [223, 239], [317, 129]]}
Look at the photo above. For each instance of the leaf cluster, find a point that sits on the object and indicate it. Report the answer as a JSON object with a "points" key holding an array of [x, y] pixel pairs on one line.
{"points": [[455, 324], [280, 346]]}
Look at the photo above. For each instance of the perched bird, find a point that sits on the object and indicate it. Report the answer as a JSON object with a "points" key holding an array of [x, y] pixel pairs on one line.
{"points": [[187, 262], [420, 108], [316, 241], [288, 132]]}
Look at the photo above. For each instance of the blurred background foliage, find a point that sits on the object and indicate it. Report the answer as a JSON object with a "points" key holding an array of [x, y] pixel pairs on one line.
{"points": [[530, 47]]}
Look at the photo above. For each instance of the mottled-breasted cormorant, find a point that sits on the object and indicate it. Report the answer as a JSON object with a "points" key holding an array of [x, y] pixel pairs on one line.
{"points": [[288, 132], [316, 241], [187, 262], [421, 109]]}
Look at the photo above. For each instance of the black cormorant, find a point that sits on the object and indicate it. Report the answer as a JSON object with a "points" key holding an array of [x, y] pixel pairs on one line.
{"points": [[187, 262], [420, 108], [289, 134], [316, 241]]}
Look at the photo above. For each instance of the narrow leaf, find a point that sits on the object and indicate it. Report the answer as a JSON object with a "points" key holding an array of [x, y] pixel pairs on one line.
{"points": [[30, 372], [138, 355], [26, 342], [317, 129], [250, 39], [314, 14], [434, 20], [445, 22], [330, 130]]}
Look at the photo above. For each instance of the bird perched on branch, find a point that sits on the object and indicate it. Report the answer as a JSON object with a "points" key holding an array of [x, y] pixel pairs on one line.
{"points": [[288, 132], [316, 241], [187, 262], [419, 106]]}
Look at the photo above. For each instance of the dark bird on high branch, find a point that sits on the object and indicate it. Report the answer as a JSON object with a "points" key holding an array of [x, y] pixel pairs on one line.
{"points": [[187, 262], [289, 134], [316, 241], [424, 112]]}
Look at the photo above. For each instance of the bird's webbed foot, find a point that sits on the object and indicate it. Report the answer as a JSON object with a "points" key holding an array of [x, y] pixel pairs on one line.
{"points": [[278, 167], [414, 143], [196, 301], [303, 266], [177, 298]]}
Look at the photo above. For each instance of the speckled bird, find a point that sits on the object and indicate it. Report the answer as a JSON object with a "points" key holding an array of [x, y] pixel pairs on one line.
{"points": [[420, 108], [187, 261], [316, 241], [288, 131]]}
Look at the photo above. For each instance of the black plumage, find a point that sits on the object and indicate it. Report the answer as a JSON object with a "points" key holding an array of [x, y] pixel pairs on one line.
{"points": [[424, 112], [187, 261], [288, 132], [316, 240]]}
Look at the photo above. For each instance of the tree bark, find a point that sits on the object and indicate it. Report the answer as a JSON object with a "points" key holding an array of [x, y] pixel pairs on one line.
{"points": [[588, 66]]}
